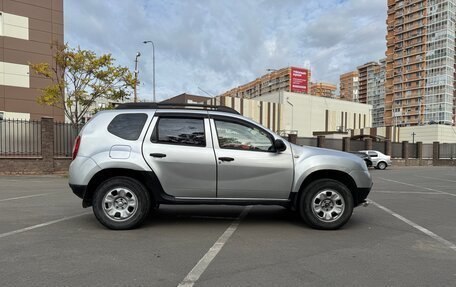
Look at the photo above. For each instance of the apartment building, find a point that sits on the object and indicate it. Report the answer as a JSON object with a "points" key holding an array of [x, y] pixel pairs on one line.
{"points": [[27, 30], [420, 62], [322, 89], [376, 92], [349, 86], [289, 79]]}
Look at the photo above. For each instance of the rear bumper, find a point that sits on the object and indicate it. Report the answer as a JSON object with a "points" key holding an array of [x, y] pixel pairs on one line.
{"points": [[80, 191]]}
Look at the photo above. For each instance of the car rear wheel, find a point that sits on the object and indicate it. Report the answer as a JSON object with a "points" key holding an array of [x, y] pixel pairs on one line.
{"points": [[326, 204], [121, 203], [382, 165]]}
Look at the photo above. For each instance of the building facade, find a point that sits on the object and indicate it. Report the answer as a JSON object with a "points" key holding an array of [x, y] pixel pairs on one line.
{"points": [[349, 86], [285, 112], [420, 62], [321, 89], [289, 79], [28, 28]]}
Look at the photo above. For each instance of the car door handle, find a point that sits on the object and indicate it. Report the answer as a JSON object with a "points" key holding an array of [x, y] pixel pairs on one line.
{"points": [[158, 155], [224, 158]]}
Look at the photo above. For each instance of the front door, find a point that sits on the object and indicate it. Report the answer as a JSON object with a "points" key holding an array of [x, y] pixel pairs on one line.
{"points": [[248, 165], [178, 148]]}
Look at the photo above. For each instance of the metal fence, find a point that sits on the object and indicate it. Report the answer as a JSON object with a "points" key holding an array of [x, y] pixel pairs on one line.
{"points": [[333, 144], [356, 145], [20, 138], [64, 136], [396, 150], [447, 151], [307, 141], [427, 151], [379, 146]]}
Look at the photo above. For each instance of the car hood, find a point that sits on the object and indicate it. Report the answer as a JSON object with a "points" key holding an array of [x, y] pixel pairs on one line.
{"points": [[302, 152]]}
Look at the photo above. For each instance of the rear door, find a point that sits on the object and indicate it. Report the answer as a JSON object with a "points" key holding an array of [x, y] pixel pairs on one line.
{"points": [[178, 148], [247, 163]]}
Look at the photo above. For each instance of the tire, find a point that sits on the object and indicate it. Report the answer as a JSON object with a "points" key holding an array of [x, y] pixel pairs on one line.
{"points": [[382, 165], [338, 206], [121, 203]]}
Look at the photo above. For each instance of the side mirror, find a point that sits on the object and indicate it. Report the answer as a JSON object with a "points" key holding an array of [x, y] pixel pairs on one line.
{"points": [[279, 145]]}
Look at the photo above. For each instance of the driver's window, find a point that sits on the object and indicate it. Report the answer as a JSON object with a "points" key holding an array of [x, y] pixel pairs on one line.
{"points": [[242, 137]]}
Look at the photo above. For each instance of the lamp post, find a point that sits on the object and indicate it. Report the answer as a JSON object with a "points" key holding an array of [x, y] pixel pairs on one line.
{"points": [[292, 116], [138, 54], [153, 65], [413, 137]]}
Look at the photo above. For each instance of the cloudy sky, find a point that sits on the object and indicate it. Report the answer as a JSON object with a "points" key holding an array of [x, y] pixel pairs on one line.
{"points": [[217, 45]]}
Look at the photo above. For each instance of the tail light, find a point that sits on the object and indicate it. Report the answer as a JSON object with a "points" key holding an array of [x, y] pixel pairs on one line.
{"points": [[77, 143]]}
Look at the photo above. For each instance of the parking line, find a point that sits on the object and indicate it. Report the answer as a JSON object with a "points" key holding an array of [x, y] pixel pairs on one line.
{"points": [[419, 227], [414, 192], [204, 262], [436, 178], [427, 188], [41, 225], [27, 196]]}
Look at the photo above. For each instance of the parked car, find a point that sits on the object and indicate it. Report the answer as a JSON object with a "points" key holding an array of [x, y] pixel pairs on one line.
{"points": [[131, 159], [379, 160], [367, 159]]}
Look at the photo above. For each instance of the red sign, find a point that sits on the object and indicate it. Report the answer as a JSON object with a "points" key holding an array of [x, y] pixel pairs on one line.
{"points": [[299, 80]]}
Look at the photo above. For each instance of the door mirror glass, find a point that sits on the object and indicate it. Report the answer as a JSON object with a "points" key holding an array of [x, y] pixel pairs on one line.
{"points": [[279, 145]]}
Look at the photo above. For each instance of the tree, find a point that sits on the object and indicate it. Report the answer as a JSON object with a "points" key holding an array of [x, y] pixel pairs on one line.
{"points": [[80, 78]]}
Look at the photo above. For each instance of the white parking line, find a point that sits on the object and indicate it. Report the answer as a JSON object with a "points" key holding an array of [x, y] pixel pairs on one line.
{"points": [[419, 192], [436, 178], [41, 225], [28, 196], [427, 188], [419, 227], [204, 262]]}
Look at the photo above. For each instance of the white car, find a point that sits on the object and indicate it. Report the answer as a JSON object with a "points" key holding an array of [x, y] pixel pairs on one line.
{"points": [[379, 160]]}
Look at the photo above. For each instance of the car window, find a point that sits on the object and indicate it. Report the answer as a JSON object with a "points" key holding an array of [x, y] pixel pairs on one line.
{"points": [[127, 126], [242, 137], [181, 131], [372, 153]]}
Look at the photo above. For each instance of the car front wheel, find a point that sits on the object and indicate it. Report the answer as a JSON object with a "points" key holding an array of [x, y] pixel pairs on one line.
{"points": [[121, 203], [326, 204]]}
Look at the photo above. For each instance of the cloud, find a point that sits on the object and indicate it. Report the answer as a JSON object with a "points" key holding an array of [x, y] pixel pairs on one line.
{"points": [[217, 45]]}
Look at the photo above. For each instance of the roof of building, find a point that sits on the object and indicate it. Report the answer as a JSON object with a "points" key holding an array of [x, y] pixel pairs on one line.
{"points": [[186, 98]]}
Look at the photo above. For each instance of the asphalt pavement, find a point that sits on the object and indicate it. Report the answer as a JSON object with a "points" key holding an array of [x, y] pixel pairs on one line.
{"points": [[405, 237]]}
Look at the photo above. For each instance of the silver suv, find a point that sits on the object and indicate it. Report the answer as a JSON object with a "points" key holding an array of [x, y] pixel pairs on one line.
{"points": [[128, 161]]}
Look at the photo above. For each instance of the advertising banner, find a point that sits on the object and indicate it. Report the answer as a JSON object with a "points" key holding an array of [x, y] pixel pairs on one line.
{"points": [[299, 80]]}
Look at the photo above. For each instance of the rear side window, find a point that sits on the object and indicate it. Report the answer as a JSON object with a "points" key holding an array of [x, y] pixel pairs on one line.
{"points": [[127, 126], [180, 131]]}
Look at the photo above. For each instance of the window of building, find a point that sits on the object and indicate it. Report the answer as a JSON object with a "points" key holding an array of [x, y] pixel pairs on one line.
{"points": [[179, 131], [243, 137], [127, 126]]}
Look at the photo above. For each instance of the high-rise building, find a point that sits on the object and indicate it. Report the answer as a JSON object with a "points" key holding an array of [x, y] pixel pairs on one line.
{"points": [[349, 86], [322, 89], [289, 79], [28, 28], [420, 62], [372, 89]]}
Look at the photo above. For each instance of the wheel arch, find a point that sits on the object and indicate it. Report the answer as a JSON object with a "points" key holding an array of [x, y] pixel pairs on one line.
{"points": [[338, 175], [147, 178]]}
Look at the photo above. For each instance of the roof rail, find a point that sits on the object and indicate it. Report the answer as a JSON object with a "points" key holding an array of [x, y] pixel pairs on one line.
{"points": [[148, 105]]}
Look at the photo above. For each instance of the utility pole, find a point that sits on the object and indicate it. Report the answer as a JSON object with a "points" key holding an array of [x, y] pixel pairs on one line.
{"points": [[136, 77], [413, 137]]}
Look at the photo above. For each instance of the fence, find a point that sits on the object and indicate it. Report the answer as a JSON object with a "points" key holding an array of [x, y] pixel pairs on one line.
{"points": [[20, 138], [64, 136], [404, 150]]}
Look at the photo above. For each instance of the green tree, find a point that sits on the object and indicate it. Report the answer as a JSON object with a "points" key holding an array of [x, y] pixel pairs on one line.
{"points": [[80, 78]]}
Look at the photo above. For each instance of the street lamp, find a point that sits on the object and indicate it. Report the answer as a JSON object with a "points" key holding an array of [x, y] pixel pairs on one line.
{"points": [[292, 116], [138, 54], [153, 64]]}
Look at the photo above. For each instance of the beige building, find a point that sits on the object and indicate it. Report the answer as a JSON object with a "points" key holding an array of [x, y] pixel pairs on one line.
{"points": [[286, 112], [289, 79], [28, 28], [322, 89], [349, 86]]}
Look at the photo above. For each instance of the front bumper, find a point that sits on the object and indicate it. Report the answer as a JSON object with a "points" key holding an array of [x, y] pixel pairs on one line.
{"points": [[361, 195]]}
